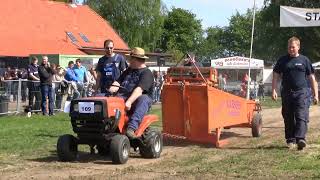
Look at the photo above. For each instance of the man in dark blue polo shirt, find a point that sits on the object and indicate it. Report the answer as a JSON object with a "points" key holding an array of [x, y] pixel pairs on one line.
{"points": [[34, 84], [109, 67], [295, 70]]}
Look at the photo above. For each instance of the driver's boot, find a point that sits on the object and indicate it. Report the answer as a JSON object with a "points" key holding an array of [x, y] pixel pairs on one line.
{"points": [[130, 133]]}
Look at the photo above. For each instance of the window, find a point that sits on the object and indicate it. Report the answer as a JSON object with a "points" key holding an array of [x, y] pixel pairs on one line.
{"points": [[84, 37], [71, 36]]}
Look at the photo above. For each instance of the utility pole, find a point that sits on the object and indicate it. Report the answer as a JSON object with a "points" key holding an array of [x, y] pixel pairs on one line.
{"points": [[252, 32]]}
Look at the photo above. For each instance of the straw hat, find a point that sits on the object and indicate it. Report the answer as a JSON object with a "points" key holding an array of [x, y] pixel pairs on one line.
{"points": [[138, 53]]}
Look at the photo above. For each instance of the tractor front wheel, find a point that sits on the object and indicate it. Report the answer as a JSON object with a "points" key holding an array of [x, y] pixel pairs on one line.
{"points": [[67, 148], [153, 144], [119, 149]]}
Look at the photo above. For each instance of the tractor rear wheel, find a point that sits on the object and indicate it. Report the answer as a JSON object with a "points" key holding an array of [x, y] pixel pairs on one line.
{"points": [[67, 148], [119, 149], [153, 144], [256, 125]]}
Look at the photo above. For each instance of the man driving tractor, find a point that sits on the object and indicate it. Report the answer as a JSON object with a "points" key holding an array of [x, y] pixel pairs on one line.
{"points": [[135, 86]]}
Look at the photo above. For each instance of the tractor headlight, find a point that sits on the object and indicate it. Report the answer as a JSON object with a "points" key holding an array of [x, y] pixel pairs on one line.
{"points": [[97, 108], [76, 107]]}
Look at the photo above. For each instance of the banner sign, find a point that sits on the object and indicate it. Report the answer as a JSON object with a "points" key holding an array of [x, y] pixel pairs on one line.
{"points": [[299, 17], [237, 62]]}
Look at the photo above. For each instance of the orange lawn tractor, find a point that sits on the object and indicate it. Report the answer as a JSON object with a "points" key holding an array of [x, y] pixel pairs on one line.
{"points": [[100, 122], [195, 109]]}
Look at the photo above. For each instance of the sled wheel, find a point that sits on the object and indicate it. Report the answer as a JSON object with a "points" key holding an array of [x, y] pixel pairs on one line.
{"points": [[67, 148], [153, 144], [119, 149], [256, 125]]}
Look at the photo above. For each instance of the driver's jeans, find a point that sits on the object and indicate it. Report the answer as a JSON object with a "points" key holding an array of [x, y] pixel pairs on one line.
{"points": [[139, 108]]}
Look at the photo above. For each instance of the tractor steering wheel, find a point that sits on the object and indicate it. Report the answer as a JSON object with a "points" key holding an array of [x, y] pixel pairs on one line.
{"points": [[115, 93]]}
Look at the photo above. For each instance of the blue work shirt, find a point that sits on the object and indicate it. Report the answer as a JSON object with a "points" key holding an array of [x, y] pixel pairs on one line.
{"points": [[80, 72], [33, 69], [294, 71], [70, 75]]}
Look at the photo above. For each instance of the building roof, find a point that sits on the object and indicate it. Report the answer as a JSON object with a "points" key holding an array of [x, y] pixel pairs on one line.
{"points": [[41, 26]]}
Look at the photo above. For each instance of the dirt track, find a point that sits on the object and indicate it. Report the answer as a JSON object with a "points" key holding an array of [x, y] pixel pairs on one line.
{"points": [[97, 167]]}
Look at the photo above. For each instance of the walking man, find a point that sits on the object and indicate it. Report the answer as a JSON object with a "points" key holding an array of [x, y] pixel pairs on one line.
{"points": [[295, 70]]}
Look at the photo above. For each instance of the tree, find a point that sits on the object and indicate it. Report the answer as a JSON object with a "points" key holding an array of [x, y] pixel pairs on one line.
{"points": [[239, 34], [182, 32], [139, 22], [212, 45], [271, 40]]}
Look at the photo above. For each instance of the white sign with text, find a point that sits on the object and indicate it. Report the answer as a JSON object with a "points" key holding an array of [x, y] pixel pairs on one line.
{"points": [[299, 17], [86, 107]]}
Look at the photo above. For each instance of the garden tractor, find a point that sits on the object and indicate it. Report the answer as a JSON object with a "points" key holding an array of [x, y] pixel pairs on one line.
{"points": [[101, 123]]}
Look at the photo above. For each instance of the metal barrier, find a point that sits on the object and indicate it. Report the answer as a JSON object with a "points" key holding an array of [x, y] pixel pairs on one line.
{"points": [[21, 95]]}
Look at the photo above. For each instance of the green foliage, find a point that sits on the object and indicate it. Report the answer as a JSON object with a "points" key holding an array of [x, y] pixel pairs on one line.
{"points": [[182, 32], [139, 22], [271, 40], [213, 45]]}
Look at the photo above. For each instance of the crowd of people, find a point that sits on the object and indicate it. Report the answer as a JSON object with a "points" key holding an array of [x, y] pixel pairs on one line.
{"points": [[49, 81]]}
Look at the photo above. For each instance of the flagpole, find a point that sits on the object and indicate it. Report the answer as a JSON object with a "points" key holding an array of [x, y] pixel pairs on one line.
{"points": [[252, 32]]}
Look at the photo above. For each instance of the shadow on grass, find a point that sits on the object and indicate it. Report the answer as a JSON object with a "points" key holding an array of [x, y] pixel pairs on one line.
{"points": [[83, 157], [262, 147], [180, 141], [47, 135]]}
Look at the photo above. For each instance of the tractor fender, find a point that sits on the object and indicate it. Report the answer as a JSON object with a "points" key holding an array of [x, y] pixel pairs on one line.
{"points": [[145, 123]]}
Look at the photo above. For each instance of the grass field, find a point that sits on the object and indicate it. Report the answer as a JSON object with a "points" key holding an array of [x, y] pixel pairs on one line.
{"points": [[269, 103], [30, 139]]}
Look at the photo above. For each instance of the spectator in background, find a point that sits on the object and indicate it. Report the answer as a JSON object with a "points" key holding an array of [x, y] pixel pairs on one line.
{"points": [[80, 72], [157, 86], [8, 78], [244, 85], [15, 83], [34, 84], [221, 82], [23, 75], [54, 83], [60, 86], [72, 81], [46, 75], [261, 91], [91, 81]]}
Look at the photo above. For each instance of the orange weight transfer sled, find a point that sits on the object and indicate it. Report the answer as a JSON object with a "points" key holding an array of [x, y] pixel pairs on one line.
{"points": [[193, 107]]}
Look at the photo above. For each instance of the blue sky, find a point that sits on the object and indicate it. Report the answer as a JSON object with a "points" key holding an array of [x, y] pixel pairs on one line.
{"points": [[212, 12]]}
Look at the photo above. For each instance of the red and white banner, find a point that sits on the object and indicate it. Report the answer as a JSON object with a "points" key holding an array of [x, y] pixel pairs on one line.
{"points": [[299, 17]]}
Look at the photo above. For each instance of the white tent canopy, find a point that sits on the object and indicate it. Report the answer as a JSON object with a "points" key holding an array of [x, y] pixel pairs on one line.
{"points": [[237, 62], [316, 65]]}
